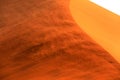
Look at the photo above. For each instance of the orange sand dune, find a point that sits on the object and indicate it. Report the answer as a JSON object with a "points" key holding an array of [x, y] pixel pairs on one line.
{"points": [[102, 25], [39, 40]]}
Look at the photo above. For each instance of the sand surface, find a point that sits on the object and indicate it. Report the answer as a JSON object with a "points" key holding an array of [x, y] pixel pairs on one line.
{"points": [[39, 40], [99, 23]]}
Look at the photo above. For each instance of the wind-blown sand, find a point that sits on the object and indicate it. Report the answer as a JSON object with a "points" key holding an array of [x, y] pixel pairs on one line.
{"points": [[39, 40]]}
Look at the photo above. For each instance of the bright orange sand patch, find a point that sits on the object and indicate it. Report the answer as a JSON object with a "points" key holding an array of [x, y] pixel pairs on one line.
{"points": [[102, 25]]}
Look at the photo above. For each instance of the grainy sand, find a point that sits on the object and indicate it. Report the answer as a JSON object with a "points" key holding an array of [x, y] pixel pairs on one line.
{"points": [[39, 40]]}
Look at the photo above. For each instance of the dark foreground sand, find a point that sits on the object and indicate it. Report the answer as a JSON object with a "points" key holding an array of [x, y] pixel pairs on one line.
{"points": [[39, 40]]}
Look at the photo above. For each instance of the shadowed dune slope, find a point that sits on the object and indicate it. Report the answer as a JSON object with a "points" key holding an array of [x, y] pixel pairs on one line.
{"points": [[39, 40]]}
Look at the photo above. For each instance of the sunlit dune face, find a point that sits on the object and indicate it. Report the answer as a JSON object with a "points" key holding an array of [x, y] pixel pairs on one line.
{"points": [[100, 23]]}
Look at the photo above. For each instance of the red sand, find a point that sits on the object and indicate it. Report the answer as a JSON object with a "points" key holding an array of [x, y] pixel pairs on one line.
{"points": [[39, 40]]}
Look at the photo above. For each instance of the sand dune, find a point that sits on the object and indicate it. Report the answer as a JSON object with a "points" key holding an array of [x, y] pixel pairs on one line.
{"points": [[101, 24], [39, 40]]}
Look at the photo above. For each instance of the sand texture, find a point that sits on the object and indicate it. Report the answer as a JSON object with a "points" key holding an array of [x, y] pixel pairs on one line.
{"points": [[39, 40]]}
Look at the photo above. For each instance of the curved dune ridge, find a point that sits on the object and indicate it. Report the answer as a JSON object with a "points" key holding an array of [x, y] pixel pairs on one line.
{"points": [[39, 40], [101, 24]]}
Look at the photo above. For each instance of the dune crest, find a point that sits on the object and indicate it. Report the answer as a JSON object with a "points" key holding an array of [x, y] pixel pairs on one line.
{"points": [[39, 40]]}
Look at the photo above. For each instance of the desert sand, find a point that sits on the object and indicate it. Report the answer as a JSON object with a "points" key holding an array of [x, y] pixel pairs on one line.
{"points": [[99, 23], [39, 40]]}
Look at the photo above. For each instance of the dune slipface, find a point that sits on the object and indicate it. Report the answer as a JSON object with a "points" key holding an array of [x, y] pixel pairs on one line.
{"points": [[39, 40]]}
